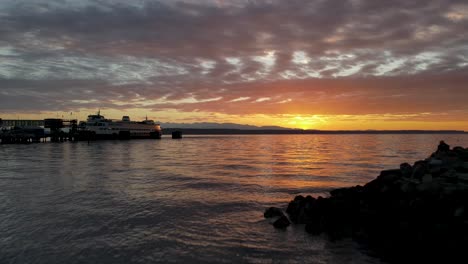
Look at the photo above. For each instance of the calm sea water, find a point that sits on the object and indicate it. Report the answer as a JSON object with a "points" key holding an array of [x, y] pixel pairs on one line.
{"points": [[196, 200]]}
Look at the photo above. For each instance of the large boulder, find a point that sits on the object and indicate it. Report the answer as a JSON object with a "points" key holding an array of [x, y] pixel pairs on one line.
{"points": [[281, 222], [277, 217], [406, 170], [419, 169], [443, 147], [272, 212]]}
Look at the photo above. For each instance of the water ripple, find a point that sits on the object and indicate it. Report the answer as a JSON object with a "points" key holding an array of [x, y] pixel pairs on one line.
{"points": [[199, 199]]}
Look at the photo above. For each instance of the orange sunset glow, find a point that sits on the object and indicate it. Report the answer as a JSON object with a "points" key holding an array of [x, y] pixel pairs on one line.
{"points": [[261, 63]]}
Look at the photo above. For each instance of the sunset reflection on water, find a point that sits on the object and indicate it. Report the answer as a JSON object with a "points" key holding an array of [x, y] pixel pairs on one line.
{"points": [[199, 199]]}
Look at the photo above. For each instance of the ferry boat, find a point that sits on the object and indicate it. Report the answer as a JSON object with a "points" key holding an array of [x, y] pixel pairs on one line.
{"points": [[97, 126]]}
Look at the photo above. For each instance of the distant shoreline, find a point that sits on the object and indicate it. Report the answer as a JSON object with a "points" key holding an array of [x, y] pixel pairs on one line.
{"points": [[200, 131]]}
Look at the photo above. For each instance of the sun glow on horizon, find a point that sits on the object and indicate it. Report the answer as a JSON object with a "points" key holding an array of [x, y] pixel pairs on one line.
{"points": [[422, 121], [306, 122]]}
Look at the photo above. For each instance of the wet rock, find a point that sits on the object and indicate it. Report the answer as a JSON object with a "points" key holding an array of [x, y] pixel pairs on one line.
{"points": [[344, 192], [461, 153], [437, 171], [309, 199], [449, 173], [277, 217], [443, 147], [295, 209], [430, 188], [390, 175], [406, 169], [427, 178], [459, 211], [435, 162], [300, 198], [453, 162], [462, 168], [408, 187], [419, 169], [462, 176], [282, 222], [448, 190], [272, 212], [417, 210]]}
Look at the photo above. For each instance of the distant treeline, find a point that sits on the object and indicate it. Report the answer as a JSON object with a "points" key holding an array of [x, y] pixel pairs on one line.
{"points": [[198, 131]]}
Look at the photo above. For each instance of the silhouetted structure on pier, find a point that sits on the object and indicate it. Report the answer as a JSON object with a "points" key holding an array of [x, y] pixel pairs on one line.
{"points": [[21, 123], [177, 134]]}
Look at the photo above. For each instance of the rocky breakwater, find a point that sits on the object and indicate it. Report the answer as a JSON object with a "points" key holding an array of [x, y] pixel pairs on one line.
{"points": [[417, 212]]}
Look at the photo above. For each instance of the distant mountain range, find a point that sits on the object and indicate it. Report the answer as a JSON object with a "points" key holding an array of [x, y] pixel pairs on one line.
{"points": [[207, 125], [232, 128]]}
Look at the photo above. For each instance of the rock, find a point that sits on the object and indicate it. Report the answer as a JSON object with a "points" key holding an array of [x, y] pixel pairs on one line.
{"points": [[453, 162], [459, 149], [461, 153], [462, 176], [419, 209], [389, 176], [314, 228], [282, 222], [299, 198], [408, 187], [406, 169], [393, 172], [437, 171], [295, 209], [449, 190], [272, 212], [427, 178], [459, 211], [435, 162], [450, 176], [344, 192], [443, 147], [309, 199], [449, 173], [431, 188], [277, 217], [461, 169], [419, 169]]}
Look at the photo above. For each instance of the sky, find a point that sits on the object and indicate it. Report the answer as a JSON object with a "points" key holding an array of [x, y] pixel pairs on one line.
{"points": [[319, 64]]}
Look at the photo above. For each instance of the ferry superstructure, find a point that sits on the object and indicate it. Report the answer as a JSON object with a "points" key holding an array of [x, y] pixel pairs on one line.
{"points": [[100, 127]]}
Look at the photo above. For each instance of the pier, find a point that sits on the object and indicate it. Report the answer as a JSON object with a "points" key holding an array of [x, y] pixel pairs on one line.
{"points": [[22, 136], [60, 130], [34, 131]]}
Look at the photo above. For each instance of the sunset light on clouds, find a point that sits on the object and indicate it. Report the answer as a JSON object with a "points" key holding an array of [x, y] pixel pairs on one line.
{"points": [[335, 64]]}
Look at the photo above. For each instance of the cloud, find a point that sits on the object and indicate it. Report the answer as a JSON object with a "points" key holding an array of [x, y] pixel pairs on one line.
{"points": [[327, 57]]}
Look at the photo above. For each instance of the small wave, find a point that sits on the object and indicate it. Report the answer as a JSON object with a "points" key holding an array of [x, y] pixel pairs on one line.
{"points": [[225, 186], [236, 167]]}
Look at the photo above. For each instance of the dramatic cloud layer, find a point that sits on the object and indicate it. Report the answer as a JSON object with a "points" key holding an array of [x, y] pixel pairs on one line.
{"points": [[192, 60]]}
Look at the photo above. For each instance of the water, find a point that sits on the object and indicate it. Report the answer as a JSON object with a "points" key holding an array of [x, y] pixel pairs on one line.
{"points": [[196, 200]]}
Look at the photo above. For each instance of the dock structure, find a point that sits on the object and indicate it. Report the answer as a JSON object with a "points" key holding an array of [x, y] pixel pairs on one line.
{"points": [[21, 123], [33, 131], [22, 135], [57, 134], [59, 130], [177, 134]]}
